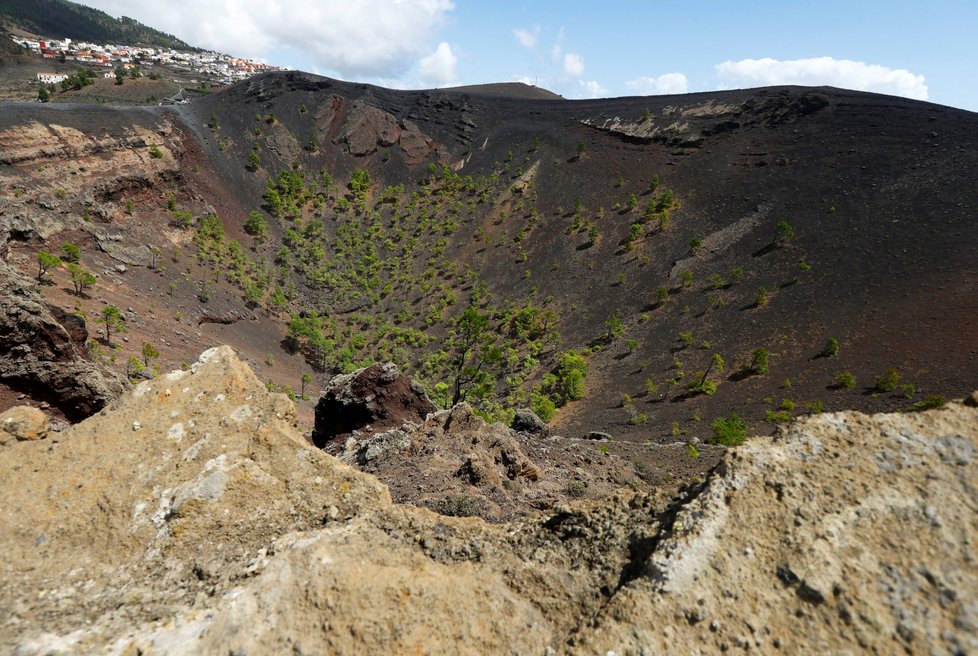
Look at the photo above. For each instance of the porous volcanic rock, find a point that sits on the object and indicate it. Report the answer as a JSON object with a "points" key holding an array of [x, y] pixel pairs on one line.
{"points": [[23, 423], [191, 518], [377, 396], [455, 463], [527, 421]]}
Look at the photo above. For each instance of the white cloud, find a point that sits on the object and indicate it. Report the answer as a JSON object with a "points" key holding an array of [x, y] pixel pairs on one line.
{"points": [[558, 47], [527, 38], [818, 71], [440, 67], [590, 89], [353, 39], [573, 65], [665, 83]]}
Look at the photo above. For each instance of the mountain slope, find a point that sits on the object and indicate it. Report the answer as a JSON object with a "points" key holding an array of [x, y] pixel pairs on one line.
{"points": [[64, 19]]}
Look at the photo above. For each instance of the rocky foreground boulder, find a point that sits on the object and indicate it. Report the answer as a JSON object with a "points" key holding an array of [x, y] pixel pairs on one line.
{"points": [[375, 398], [190, 517]]}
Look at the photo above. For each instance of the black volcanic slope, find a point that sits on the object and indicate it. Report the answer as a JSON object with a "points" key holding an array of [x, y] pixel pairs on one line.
{"points": [[879, 191], [513, 203]]}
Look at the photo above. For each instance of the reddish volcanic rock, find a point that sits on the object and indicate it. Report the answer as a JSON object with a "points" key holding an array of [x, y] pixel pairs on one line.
{"points": [[377, 396]]}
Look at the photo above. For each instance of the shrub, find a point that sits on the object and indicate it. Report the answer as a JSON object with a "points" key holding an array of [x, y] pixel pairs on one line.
{"points": [[46, 261], [785, 233], [729, 431], [887, 381], [759, 360], [929, 403], [542, 405], [845, 380], [651, 387], [80, 278], [613, 327], [661, 296], [254, 161], [71, 252], [571, 374], [155, 152], [149, 353], [762, 297], [639, 420], [458, 506], [831, 348], [256, 226], [737, 274], [702, 386], [575, 489], [777, 417]]}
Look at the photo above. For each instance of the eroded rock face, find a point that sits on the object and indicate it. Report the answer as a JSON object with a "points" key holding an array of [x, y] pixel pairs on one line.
{"points": [[57, 172], [44, 352], [366, 128], [377, 396], [191, 518]]}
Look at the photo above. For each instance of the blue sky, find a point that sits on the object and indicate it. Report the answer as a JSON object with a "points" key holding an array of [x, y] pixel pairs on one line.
{"points": [[589, 49]]}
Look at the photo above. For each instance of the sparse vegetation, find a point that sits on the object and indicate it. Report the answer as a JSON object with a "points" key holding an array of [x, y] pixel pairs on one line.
{"points": [[931, 402], [844, 380], [149, 353], [759, 359], [729, 431], [45, 262], [70, 253], [784, 233], [113, 321], [613, 328], [887, 381], [80, 278]]}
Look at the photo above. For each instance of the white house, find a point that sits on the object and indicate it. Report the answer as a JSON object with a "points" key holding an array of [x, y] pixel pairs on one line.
{"points": [[51, 78]]}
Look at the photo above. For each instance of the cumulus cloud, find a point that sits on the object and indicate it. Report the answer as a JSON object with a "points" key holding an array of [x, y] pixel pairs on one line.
{"points": [[818, 71], [573, 64], [557, 49], [665, 83], [440, 67], [354, 39], [590, 89], [527, 38]]}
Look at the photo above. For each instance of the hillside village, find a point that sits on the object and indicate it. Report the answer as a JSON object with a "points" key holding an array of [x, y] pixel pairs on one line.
{"points": [[208, 65]]}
